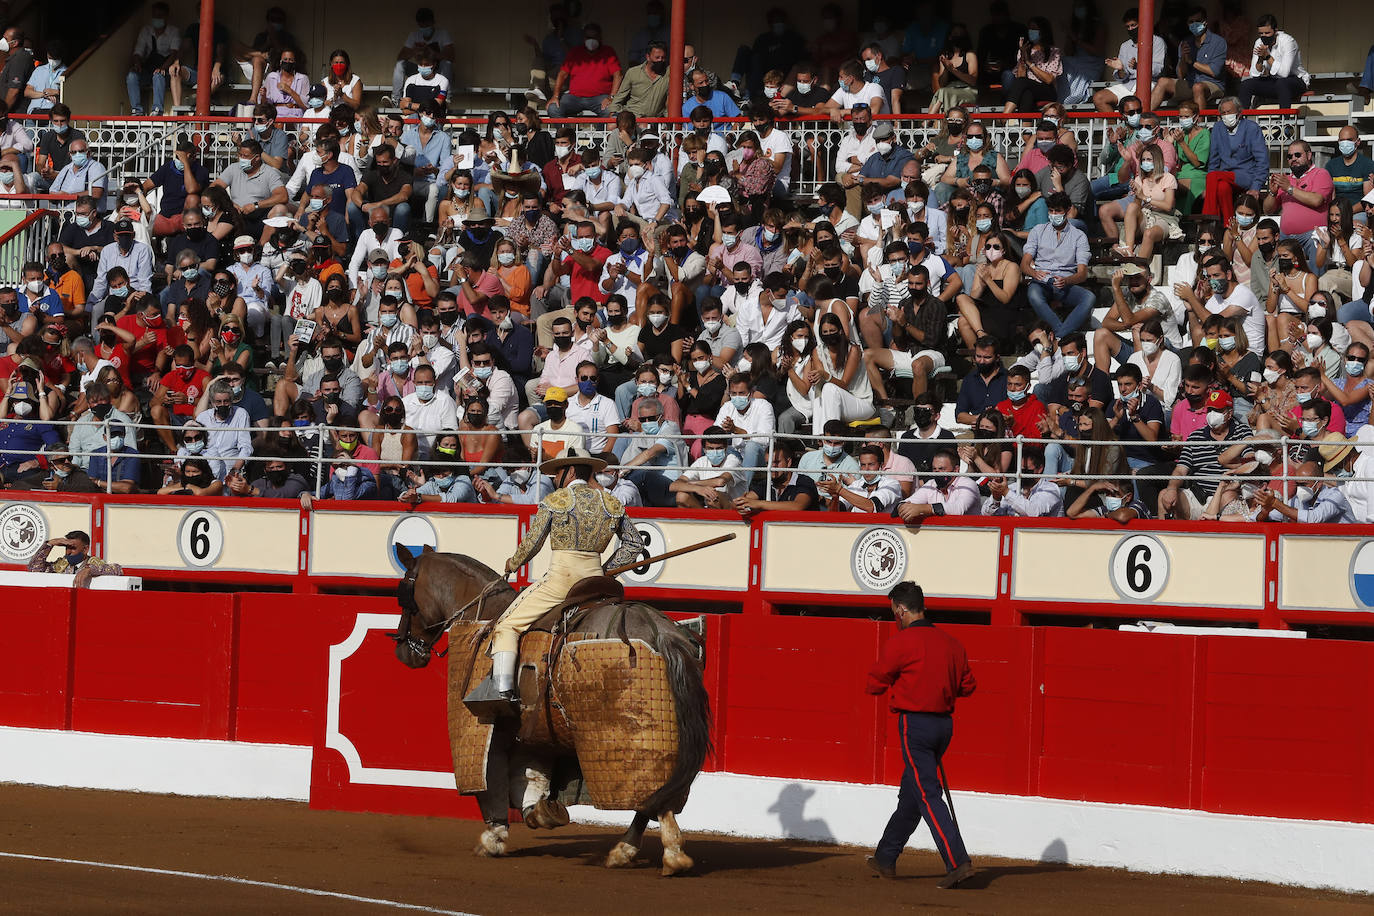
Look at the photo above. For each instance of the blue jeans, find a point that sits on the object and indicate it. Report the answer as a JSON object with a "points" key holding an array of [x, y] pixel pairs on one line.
{"points": [[705, 291], [751, 454], [1354, 310], [1079, 300], [358, 220], [1058, 460], [1106, 188], [570, 106], [135, 82], [653, 487], [924, 739]]}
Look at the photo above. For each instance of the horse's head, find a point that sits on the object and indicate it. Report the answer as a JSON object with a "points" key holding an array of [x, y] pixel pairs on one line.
{"points": [[436, 590], [413, 640]]}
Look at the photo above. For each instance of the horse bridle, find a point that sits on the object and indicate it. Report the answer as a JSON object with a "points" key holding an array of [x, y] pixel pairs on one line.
{"points": [[405, 596]]}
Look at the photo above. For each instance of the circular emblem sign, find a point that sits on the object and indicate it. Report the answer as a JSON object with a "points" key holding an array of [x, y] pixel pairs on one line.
{"points": [[879, 560], [413, 533], [23, 529], [654, 544], [200, 538], [1139, 567], [1362, 574]]}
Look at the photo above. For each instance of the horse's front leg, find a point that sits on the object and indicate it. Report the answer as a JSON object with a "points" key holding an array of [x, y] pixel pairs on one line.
{"points": [[624, 852]]}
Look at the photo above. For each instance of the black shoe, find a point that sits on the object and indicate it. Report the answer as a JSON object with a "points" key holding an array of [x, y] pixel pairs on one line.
{"points": [[486, 700], [884, 871], [958, 876]]}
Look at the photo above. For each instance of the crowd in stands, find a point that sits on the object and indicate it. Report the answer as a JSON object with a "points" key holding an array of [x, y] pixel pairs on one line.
{"points": [[386, 308]]}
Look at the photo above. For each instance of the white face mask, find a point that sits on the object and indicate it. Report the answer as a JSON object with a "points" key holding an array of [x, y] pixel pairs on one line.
{"points": [[799, 344], [1313, 341], [635, 172], [562, 151], [711, 326], [1149, 347], [1230, 120], [701, 365], [658, 319], [246, 258], [606, 479], [744, 364], [429, 341], [1271, 376], [1216, 419]]}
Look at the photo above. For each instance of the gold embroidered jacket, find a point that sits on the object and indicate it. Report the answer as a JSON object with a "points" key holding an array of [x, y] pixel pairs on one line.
{"points": [[581, 518]]}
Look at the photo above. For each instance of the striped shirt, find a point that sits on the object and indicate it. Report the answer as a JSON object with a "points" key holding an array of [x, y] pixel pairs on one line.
{"points": [[1201, 451]]}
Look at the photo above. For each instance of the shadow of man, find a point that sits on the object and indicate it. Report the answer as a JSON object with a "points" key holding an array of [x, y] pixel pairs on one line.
{"points": [[790, 809]]}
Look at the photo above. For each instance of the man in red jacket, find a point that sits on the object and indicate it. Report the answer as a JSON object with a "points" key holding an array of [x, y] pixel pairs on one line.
{"points": [[925, 670]]}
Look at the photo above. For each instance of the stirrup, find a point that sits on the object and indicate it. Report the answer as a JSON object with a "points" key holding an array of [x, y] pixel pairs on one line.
{"points": [[486, 700]]}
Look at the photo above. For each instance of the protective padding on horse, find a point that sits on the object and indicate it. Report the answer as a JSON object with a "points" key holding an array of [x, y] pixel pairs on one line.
{"points": [[624, 721], [469, 737]]}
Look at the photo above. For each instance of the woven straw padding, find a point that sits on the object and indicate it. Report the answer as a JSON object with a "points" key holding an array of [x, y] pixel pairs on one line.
{"points": [[623, 718], [541, 725], [469, 737]]}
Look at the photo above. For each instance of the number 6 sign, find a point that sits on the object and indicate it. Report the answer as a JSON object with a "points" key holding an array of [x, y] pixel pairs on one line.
{"points": [[1139, 567], [200, 538]]}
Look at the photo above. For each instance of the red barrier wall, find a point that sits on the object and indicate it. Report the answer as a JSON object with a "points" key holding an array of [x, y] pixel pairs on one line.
{"points": [[1235, 725]]}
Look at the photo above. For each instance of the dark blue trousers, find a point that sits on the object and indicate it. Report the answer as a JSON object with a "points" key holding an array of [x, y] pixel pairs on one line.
{"points": [[924, 738]]}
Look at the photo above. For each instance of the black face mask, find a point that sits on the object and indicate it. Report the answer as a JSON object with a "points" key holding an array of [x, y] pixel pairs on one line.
{"points": [[194, 480], [556, 411], [922, 416], [982, 434], [58, 264], [1269, 40], [222, 412], [1267, 250], [918, 293], [196, 234], [615, 320], [478, 236], [704, 93], [277, 476], [332, 397], [860, 127], [742, 288], [448, 319], [658, 66], [333, 364], [391, 417], [955, 127], [831, 338], [986, 368], [381, 230], [1284, 265], [1133, 34], [1077, 406], [337, 295], [222, 289], [477, 419], [101, 411], [960, 214], [563, 342], [834, 273]]}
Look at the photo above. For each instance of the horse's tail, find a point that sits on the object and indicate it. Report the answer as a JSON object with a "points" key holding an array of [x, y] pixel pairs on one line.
{"points": [[693, 708]]}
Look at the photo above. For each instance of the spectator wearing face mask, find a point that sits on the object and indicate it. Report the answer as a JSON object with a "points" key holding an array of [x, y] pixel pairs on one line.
{"points": [[712, 481], [1237, 160], [831, 457], [589, 77], [125, 252], [1032, 495], [25, 435], [652, 458], [946, 492], [1306, 498], [426, 40], [228, 445], [174, 401], [427, 87]]}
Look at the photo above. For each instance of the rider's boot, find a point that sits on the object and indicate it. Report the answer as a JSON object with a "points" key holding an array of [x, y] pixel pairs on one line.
{"points": [[496, 694]]}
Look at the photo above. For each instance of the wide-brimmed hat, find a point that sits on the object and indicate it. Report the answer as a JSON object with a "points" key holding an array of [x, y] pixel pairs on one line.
{"points": [[1334, 448], [572, 455], [522, 181]]}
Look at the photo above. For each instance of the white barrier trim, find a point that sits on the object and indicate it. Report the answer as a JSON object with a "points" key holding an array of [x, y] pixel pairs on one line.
{"points": [[177, 766], [1322, 854]]}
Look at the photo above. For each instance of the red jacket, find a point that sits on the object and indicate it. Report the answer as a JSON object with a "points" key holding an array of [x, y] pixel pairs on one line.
{"points": [[1025, 417], [926, 668]]}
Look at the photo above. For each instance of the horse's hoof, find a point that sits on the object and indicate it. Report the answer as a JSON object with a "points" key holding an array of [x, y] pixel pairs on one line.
{"points": [[675, 862], [492, 843], [621, 855], [547, 814]]}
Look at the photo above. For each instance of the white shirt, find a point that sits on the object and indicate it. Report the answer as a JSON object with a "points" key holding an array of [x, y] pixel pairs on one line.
{"points": [[1254, 317], [1129, 51], [1043, 501], [734, 303], [606, 192], [866, 94], [595, 417], [1285, 59], [757, 423], [1361, 495], [736, 482], [645, 195], [623, 284], [852, 146], [439, 412], [368, 241], [1167, 375], [754, 327], [503, 402], [776, 142], [886, 491], [302, 298], [149, 40], [437, 82]]}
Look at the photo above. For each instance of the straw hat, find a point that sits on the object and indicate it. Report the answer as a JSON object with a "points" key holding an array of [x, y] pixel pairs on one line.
{"points": [[572, 455]]}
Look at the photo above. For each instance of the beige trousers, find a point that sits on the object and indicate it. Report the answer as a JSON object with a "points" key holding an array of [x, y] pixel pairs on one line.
{"points": [[567, 568]]}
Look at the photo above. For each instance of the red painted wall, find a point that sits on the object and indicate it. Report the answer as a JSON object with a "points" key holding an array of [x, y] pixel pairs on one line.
{"points": [[1228, 724]]}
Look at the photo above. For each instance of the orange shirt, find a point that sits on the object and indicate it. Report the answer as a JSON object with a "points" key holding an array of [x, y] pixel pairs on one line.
{"points": [[71, 290], [516, 280], [416, 286]]}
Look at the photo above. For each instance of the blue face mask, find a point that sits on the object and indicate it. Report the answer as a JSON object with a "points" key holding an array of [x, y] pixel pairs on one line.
{"points": [[1133, 396], [1226, 343], [716, 456], [1072, 362], [1310, 428], [80, 159], [587, 389], [1145, 134], [1016, 397], [1347, 147], [444, 483], [400, 366], [832, 451], [739, 401], [316, 204], [1057, 219], [1197, 28], [389, 319], [482, 372], [650, 427], [190, 273], [629, 247], [1303, 396], [1032, 35], [424, 392], [983, 225], [1354, 368], [974, 143], [1133, 120], [301, 422], [1112, 503], [646, 390]]}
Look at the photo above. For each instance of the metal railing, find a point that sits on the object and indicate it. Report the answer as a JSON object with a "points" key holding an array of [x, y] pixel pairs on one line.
{"points": [[138, 146], [29, 239], [498, 470]]}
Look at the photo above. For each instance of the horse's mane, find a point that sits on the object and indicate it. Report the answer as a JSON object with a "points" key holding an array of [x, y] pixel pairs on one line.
{"points": [[464, 565]]}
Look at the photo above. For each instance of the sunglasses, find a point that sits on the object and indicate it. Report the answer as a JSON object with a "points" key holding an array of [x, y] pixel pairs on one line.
{"points": [[992, 247], [586, 378]]}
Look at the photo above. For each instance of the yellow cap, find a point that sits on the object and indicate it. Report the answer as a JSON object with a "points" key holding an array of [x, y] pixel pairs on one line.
{"points": [[556, 394]]}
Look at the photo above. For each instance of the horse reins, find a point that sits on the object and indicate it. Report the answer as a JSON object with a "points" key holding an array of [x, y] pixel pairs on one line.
{"points": [[405, 596]]}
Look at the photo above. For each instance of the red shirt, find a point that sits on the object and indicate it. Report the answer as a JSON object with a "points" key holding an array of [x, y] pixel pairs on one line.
{"points": [[591, 73], [145, 360], [553, 181], [1025, 418], [175, 381], [926, 669], [582, 282]]}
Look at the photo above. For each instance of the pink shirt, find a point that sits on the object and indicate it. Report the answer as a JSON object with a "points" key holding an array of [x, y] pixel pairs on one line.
{"points": [[488, 285], [904, 470], [1337, 424], [743, 252], [1034, 160], [1185, 419], [386, 386], [960, 499], [1296, 218]]}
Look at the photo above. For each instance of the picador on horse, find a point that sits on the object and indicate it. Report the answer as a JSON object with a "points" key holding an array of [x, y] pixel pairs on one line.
{"points": [[580, 519]]}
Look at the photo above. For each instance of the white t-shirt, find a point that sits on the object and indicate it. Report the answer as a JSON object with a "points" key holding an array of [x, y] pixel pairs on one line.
{"points": [[758, 423], [553, 441], [594, 417], [778, 142], [735, 484], [439, 412], [303, 298], [440, 38], [1254, 314], [866, 95]]}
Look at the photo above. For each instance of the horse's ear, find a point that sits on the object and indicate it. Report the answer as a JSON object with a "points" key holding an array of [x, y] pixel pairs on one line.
{"points": [[427, 549], [403, 554]]}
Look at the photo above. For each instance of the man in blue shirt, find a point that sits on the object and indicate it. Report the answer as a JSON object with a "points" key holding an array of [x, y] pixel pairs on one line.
{"points": [[1237, 159], [1201, 66], [721, 105], [985, 386], [178, 177], [884, 167], [1056, 261], [119, 466], [433, 148]]}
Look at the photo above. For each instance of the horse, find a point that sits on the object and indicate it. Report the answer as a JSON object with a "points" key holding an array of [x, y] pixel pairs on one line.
{"points": [[436, 584]]}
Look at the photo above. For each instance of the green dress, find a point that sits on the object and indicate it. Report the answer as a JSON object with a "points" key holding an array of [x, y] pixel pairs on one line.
{"points": [[1192, 179], [249, 378]]}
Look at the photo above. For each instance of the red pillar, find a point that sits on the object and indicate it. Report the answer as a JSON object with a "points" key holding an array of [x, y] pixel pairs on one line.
{"points": [[677, 38], [1145, 45], [205, 57]]}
